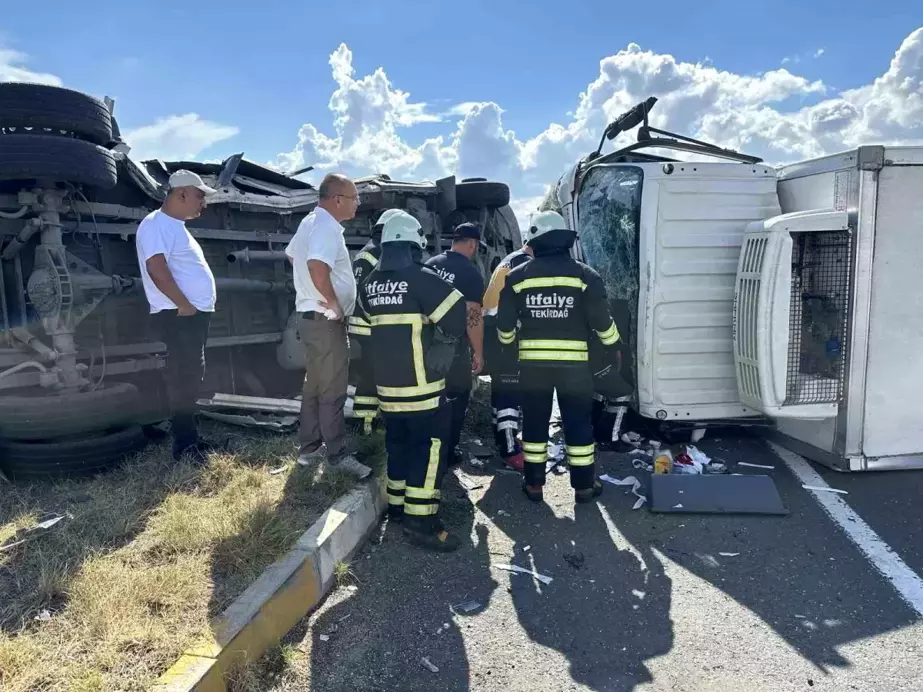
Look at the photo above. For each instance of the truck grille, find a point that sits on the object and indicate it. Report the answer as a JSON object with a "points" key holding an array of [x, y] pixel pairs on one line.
{"points": [[746, 311], [818, 317]]}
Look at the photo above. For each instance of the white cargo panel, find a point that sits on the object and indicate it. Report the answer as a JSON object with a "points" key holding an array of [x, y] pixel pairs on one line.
{"points": [[696, 218]]}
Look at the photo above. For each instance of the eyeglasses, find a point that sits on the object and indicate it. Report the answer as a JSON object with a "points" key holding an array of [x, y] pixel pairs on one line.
{"points": [[352, 197]]}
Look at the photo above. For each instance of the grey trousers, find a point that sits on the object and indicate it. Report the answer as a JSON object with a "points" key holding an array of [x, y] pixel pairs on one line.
{"points": [[325, 382]]}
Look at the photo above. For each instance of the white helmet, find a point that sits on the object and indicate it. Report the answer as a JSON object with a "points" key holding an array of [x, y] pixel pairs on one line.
{"points": [[402, 227], [385, 215], [544, 222]]}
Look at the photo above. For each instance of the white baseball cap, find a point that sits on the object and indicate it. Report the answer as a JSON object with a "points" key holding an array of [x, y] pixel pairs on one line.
{"points": [[185, 178]]}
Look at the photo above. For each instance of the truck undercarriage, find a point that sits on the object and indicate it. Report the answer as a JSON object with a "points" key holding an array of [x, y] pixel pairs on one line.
{"points": [[80, 370]]}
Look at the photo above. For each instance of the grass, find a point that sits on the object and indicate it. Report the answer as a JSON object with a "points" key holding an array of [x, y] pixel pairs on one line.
{"points": [[146, 555]]}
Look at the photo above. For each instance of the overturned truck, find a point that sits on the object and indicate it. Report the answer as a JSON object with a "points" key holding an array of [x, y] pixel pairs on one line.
{"points": [[80, 371]]}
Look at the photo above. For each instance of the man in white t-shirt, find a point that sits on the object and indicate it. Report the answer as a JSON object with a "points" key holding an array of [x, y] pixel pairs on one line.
{"points": [[325, 294], [180, 290]]}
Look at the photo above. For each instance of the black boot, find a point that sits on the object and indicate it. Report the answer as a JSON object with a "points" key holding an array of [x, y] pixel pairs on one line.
{"points": [[429, 533], [532, 493], [588, 494], [396, 513]]}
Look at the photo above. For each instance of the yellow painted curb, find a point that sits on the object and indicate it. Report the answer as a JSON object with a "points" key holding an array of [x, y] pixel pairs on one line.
{"points": [[287, 591]]}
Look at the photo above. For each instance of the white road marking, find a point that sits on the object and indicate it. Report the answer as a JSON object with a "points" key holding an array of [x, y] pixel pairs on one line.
{"points": [[907, 582]]}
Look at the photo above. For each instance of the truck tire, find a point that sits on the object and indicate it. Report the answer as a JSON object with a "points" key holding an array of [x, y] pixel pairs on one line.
{"points": [[472, 194], [51, 416], [42, 107], [76, 457], [57, 158]]}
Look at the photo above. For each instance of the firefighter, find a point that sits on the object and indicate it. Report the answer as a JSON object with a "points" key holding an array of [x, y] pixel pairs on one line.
{"points": [[504, 400], [416, 321], [554, 305], [365, 399], [456, 267]]}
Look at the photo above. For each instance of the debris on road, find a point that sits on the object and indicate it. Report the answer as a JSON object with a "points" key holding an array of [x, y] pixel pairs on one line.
{"points": [[575, 560], [325, 637], [630, 480], [690, 460], [44, 616], [825, 489], [642, 465], [276, 472], [697, 435], [728, 554], [544, 579], [755, 466], [425, 662], [465, 607], [477, 463], [22, 535], [478, 450], [283, 424], [467, 482], [715, 494], [527, 549]]}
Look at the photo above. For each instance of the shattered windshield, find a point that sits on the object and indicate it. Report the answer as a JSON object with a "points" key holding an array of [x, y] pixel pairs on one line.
{"points": [[608, 213]]}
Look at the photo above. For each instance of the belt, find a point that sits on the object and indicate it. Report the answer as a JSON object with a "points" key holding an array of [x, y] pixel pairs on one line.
{"points": [[312, 315]]}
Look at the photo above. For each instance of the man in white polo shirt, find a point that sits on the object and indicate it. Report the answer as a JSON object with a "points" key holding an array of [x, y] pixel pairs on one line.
{"points": [[180, 290], [325, 296]]}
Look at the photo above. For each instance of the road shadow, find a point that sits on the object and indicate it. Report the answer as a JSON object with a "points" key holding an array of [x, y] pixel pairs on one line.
{"points": [[608, 607], [396, 605], [798, 574]]}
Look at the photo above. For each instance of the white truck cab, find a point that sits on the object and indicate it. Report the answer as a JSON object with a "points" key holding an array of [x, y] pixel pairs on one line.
{"points": [[745, 293]]}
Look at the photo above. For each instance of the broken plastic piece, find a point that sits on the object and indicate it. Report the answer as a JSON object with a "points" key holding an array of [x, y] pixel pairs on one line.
{"points": [[728, 554], [825, 490], [428, 665], [697, 435], [755, 466], [325, 637], [522, 570], [467, 606], [630, 480]]}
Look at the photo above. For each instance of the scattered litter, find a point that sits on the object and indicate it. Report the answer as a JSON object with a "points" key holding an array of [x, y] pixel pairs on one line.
{"points": [[728, 554], [23, 535], [630, 480], [522, 570], [716, 467], [429, 666], [476, 462], [466, 482], [655, 445], [527, 549], [642, 465], [640, 452], [44, 616], [479, 450], [48, 523], [755, 466], [575, 560], [663, 463], [632, 438], [677, 506], [697, 435], [8, 546], [344, 618], [466, 607], [325, 637], [825, 490], [503, 513], [276, 472], [800, 617], [691, 460]]}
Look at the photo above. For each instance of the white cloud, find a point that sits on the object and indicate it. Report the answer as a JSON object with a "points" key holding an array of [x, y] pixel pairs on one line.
{"points": [[778, 115], [12, 69], [177, 137]]}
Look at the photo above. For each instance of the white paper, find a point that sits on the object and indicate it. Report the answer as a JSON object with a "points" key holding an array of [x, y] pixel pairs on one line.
{"points": [[522, 570], [630, 480], [47, 524], [755, 466], [825, 490]]}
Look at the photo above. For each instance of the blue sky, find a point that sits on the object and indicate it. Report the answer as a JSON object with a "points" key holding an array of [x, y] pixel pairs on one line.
{"points": [[261, 69]]}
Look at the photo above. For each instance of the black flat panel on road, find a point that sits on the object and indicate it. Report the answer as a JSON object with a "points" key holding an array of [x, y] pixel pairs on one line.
{"points": [[706, 494]]}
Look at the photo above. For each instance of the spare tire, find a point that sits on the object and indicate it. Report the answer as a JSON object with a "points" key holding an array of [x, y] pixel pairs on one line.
{"points": [[58, 158], [75, 457], [42, 107], [48, 416], [473, 194]]}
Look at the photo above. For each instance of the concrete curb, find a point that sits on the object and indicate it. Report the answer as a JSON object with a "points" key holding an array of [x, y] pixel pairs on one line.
{"points": [[287, 591]]}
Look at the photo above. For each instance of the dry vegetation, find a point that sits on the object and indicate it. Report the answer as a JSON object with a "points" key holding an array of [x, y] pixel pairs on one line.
{"points": [[109, 597]]}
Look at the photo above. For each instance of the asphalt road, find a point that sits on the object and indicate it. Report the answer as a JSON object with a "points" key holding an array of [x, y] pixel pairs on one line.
{"points": [[638, 600]]}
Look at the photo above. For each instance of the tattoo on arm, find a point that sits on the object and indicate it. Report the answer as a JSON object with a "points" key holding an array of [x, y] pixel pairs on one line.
{"points": [[474, 315]]}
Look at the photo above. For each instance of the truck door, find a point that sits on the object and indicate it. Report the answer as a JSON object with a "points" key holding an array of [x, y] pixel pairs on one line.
{"points": [[791, 306]]}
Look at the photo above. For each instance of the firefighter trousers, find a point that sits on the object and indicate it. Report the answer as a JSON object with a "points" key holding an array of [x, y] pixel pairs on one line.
{"points": [[574, 388], [416, 447], [365, 400], [504, 400]]}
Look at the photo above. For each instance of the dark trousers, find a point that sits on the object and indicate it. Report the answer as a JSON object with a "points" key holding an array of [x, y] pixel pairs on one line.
{"points": [[416, 460], [185, 369], [504, 400], [325, 383], [457, 401], [574, 387], [365, 400]]}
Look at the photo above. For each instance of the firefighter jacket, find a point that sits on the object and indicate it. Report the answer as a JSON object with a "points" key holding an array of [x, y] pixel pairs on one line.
{"points": [[364, 263], [554, 305], [491, 303], [404, 308]]}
